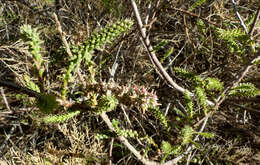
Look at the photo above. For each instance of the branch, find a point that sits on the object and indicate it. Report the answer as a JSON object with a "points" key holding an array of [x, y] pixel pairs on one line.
{"points": [[154, 59], [256, 111], [165, 76], [255, 22], [62, 34], [224, 94], [6, 139], [239, 17], [19, 88], [197, 16], [126, 143], [63, 38]]}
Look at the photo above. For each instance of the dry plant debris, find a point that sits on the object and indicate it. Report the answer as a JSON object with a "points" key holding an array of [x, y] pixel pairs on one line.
{"points": [[129, 82]]}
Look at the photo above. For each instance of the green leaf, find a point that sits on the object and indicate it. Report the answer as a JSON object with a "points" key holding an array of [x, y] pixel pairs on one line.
{"points": [[160, 45], [189, 103], [214, 84], [184, 73], [99, 136], [245, 89], [107, 103], [234, 39], [179, 112], [167, 54], [257, 61], [206, 134], [30, 84], [60, 118], [47, 103], [159, 115], [166, 147], [197, 4], [187, 134], [201, 96]]}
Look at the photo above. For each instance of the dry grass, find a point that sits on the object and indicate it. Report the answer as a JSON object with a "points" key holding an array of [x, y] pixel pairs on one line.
{"points": [[197, 49]]}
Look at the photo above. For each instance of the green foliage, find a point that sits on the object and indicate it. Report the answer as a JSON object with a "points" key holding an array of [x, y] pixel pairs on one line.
{"points": [[197, 80], [149, 140], [123, 132], [160, 45], [30, 84], [167, 54], [179, 112], [106, 35], [159, 115], [107, 103], [236, 39], [47, 103], [206, 134], [250, 20], [106, 98], [99, 136], [33, 37], [186, 135], [60, 118], [200, 85], [166, 147], [83, 52], [189, 104], [214, 84], [257, 61], [245, 89], [201, 26], [196, 4], [25, 99], [184, 73], [201, 96]]}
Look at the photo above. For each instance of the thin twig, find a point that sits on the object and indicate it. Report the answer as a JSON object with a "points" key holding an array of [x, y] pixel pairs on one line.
{"points": [[153, 18], [31, 93], [239, 17], [126, 143], [115, 64], [63, 38], [165, 75], [246, 108], [195, 15], [154, 59], [4, 98], [7, 138], [62, 34], [224, 94], [111, 151], [251, 31], [244, 99]]}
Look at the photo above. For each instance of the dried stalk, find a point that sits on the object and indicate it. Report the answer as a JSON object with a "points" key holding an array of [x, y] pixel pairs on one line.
{"points": [[126, 143], [239, 17], [251, 31], [63, 38], [154, 59]]}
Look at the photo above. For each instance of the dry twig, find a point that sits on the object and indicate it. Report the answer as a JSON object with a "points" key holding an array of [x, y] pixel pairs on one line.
{"points": [[126, 143], [239, 17], [63, 34]]}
